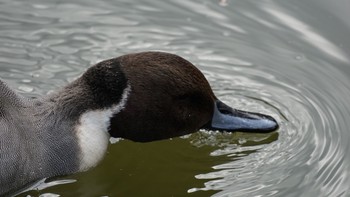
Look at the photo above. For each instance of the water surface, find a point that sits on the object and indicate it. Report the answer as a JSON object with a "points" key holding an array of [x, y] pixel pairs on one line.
{"points": [[289, 59]]}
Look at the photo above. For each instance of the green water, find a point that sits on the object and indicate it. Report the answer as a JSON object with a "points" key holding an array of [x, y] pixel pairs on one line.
{"points": [[288, 59]]}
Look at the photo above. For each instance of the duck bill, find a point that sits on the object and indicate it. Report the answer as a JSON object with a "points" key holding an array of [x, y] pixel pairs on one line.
{"points": [[228, 119]]}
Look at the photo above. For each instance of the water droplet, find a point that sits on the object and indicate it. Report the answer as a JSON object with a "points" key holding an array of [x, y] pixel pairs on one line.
{"points": [[223, 3], [242, 140], [40, 6], [299, 57], [113, 140], [26, 80], [226, 33], [26, 88]]}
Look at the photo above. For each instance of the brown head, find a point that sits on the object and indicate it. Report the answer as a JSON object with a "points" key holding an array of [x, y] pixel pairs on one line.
{"points": [[170, 97]]}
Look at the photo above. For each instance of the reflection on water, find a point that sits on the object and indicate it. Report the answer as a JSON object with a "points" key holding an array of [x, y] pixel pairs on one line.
{"points": [[289, 59]]}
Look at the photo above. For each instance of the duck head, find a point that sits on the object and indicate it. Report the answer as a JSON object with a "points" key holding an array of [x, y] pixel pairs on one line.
{"points": [[170, 97]]}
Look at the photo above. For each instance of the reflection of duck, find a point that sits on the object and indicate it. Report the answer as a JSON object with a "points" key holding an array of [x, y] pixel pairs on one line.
{"points": [[142, 97]]}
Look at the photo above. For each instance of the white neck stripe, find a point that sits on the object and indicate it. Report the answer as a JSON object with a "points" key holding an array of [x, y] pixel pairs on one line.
{"points": [[92, 132]]}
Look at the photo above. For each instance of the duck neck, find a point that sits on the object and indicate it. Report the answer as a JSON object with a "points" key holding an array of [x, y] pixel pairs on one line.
{"points": [[80, 97], [78, 106], [72, 100]]}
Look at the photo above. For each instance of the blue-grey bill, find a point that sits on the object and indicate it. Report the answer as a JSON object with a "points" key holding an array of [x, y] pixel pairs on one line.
{"points": [[228, 119]]}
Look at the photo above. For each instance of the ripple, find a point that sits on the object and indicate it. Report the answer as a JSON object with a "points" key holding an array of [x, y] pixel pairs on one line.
{"points": [[43, 184], [285, 59], [308, 152], [308, 34]]}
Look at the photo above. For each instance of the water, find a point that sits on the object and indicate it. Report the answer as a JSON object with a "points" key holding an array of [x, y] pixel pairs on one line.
{"points": [[289, 59]]}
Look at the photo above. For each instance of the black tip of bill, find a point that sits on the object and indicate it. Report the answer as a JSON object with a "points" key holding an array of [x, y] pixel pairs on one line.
{"points": [[228, 119]]}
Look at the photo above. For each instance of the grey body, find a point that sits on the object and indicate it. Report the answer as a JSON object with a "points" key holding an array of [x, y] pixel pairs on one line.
{"points": [[34, 144]]}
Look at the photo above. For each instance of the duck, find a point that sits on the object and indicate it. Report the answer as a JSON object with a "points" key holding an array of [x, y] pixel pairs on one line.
{"points": [[141, 97]]}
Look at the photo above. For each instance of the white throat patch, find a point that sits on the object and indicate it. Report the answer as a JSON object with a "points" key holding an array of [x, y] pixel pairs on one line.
{"points": [[92, 132]]}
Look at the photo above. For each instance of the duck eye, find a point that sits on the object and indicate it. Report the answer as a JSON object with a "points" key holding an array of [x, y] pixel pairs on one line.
{"points": [[192, 97]]}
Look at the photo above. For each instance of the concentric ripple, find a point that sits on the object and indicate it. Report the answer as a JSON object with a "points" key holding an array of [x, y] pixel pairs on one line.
{"points": [[311, 150], [288, 59]]}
